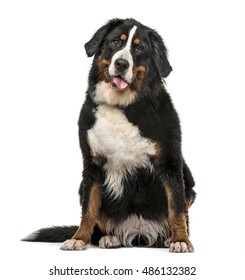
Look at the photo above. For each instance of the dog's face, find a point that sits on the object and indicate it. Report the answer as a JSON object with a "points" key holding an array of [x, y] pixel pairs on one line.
{"points": [[126, 55]]}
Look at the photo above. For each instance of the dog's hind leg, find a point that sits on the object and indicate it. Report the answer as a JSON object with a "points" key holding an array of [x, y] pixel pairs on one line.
{"points": [[109, 241], [179, 227], [100, 236], [189, 182]]}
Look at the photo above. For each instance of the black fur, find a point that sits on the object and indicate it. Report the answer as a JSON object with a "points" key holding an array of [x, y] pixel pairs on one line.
{"points": [[54, 234], [154, 115]]}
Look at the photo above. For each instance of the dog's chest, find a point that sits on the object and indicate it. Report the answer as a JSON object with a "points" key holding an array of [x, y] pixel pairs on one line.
{"points": [[120, 142], [113, 136]]}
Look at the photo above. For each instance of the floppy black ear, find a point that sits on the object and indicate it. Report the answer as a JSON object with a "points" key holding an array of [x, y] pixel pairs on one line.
{"points": [[94, 44], [160, 54]]}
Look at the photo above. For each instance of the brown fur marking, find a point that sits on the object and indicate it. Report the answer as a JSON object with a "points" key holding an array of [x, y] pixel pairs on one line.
{"points": [[140, 71], [189, 202], [96, 158], [137, 41], [103, 70], [123, 37], [89, 218], [158, 149], [102, 223], [139, 74], [177, 222], [105, 61]]}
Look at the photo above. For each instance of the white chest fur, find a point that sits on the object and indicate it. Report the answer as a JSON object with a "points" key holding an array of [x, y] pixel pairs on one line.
{"points": [[118, 140]]}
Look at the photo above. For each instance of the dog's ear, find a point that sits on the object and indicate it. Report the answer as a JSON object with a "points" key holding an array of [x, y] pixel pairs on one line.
{"points": [[160, 54], [96, 41]]}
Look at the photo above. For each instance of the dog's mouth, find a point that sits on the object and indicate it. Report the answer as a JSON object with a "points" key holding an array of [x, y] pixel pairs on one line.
{"points": [[119, 83]]}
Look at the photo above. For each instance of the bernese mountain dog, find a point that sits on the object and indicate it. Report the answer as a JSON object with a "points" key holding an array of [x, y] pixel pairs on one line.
{"points": [[136, 187]]}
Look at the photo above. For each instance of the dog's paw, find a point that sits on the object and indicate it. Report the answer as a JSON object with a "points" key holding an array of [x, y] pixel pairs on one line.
{"points": [[109, 242], [167, 242], [181, 247], [73, 244]]}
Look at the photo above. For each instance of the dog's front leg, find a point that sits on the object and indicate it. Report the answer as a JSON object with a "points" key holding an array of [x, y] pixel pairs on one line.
{"points": [[174, 187], [91, 201]]}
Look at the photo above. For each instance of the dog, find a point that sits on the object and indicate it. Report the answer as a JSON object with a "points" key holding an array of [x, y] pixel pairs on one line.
{"points": [[136, 187]]}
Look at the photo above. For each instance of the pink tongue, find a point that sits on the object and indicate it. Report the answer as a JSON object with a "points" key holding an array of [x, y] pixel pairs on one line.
{"points": [[120, 83]]}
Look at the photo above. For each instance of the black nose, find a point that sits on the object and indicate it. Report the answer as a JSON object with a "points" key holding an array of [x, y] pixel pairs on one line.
{"points": [[121, 64]]}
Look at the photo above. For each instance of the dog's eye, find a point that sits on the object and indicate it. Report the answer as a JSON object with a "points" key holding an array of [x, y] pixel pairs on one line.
{"points": [[139, 49], [116, 43]]}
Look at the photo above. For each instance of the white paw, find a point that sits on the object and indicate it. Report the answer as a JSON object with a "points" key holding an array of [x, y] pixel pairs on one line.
{"points": [[181, 247], [73, 244], [109, 242]]}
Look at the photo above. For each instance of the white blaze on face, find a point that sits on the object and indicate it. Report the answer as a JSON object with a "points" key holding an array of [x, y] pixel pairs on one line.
{"points": [[124, 54]]}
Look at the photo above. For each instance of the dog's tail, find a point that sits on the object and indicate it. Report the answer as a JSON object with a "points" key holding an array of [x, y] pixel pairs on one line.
{"points": [[52, 234]]}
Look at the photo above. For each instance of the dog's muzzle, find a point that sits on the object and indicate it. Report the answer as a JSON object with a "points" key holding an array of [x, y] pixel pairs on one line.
{"points": [[121, 66]]}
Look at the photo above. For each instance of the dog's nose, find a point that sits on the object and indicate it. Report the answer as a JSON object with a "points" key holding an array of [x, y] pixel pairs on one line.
{"points": [[121, 64]]}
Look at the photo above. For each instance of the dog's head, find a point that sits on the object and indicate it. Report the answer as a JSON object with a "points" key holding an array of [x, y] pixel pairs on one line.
{"points": [[126, 54]]}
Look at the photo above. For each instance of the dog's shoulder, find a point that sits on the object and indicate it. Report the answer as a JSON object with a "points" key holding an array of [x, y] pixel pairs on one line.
{"points": [[155, 116]]}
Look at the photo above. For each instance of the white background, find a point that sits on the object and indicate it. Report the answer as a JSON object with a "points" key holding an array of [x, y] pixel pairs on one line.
{"points": [[43, 78]]}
